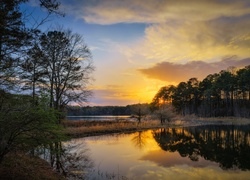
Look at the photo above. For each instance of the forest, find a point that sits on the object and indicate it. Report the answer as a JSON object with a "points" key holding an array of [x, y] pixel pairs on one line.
{"points": [[226, 93]]}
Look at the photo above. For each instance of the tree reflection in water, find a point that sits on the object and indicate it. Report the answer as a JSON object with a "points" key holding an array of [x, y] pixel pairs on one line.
{"points": [[73, 158], [228, 145], [76, 160], [139, 139]]}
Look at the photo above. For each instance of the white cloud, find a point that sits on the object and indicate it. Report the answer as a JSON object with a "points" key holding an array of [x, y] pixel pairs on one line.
{"points": [[186, 41], [154, 11], [177, 31]]}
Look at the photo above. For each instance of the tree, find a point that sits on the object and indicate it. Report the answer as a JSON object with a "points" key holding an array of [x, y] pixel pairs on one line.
{"points": [[210, 95], [164, 95], [226, 83], [221, 94], [68, 63], [194, 94], [139, 111], [164, 113], [12, 38], [244, 82], [243, 91], [33, 70], [181, 98], [15, 38]]}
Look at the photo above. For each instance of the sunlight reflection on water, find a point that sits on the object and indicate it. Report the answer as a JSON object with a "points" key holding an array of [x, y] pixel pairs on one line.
{"points": [[191, 153]]}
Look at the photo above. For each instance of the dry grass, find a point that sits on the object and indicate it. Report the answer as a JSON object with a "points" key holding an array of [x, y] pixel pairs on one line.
{"points": [[90, 128]]}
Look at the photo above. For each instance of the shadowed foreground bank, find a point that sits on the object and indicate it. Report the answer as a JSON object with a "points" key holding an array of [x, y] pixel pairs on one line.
{"points": [[24, 167]]}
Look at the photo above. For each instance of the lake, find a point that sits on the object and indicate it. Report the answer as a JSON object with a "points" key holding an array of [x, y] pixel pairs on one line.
{"points": [[201, 152]]}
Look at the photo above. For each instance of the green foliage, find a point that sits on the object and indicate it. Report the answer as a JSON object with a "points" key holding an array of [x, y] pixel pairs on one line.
{"points": [[24, 126]]}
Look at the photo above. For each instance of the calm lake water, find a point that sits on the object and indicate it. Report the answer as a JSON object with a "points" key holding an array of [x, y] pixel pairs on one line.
{"points": [[203, 152]]}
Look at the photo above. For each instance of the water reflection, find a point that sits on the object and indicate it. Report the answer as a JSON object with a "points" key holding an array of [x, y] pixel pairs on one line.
{"points": [[76, 160], [71, 159], [205, 152], [140, 139], [227, 145]]}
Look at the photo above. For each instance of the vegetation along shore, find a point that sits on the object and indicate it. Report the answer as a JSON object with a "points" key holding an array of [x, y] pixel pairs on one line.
{"points": [[85, 128]]}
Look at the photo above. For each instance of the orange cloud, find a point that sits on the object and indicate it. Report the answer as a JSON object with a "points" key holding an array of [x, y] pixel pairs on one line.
{"points": [[167, 71]]}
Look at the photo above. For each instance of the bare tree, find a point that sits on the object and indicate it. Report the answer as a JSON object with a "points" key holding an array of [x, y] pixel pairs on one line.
{"points": [[164, 112], [140, 111], [68, 62]]}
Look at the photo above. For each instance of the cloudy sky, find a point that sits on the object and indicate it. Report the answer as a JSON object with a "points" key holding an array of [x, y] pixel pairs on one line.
{"points": [[140, 45]]}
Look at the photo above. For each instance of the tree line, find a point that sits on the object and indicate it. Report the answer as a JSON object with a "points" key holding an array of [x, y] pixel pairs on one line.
{"points": [[226, 93], [98, 110]]}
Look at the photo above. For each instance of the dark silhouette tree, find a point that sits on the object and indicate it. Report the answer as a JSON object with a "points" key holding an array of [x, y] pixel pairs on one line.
{"points": [[193, 91], [33, 70], [226, 84], [12, 38], [16, 38], [163, 96], [139, 111], [221, 94], [68, 62]]}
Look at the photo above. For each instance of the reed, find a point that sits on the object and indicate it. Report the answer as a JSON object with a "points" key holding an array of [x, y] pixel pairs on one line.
{"points": [[90, 128]]}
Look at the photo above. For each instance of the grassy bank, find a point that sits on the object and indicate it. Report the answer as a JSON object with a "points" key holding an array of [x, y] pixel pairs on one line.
{"points": [[92, 128]]}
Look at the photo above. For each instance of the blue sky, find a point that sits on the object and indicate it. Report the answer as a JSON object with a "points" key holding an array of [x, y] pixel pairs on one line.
{"points": [[140, 45]]}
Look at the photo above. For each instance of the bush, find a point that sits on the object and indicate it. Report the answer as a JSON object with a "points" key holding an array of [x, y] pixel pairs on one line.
{"points": [[163, 113], [25, 126]]}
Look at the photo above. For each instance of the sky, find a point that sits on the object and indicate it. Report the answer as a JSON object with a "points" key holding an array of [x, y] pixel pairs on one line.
{"points": [[139, 46]]}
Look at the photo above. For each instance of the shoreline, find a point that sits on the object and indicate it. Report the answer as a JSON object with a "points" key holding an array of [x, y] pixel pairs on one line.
{"points": [[86, 128], [13, 167]]}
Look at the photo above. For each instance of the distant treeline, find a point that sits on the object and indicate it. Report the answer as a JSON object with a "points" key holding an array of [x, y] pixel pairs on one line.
{"points": [[226, 93], [99, 110]]}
